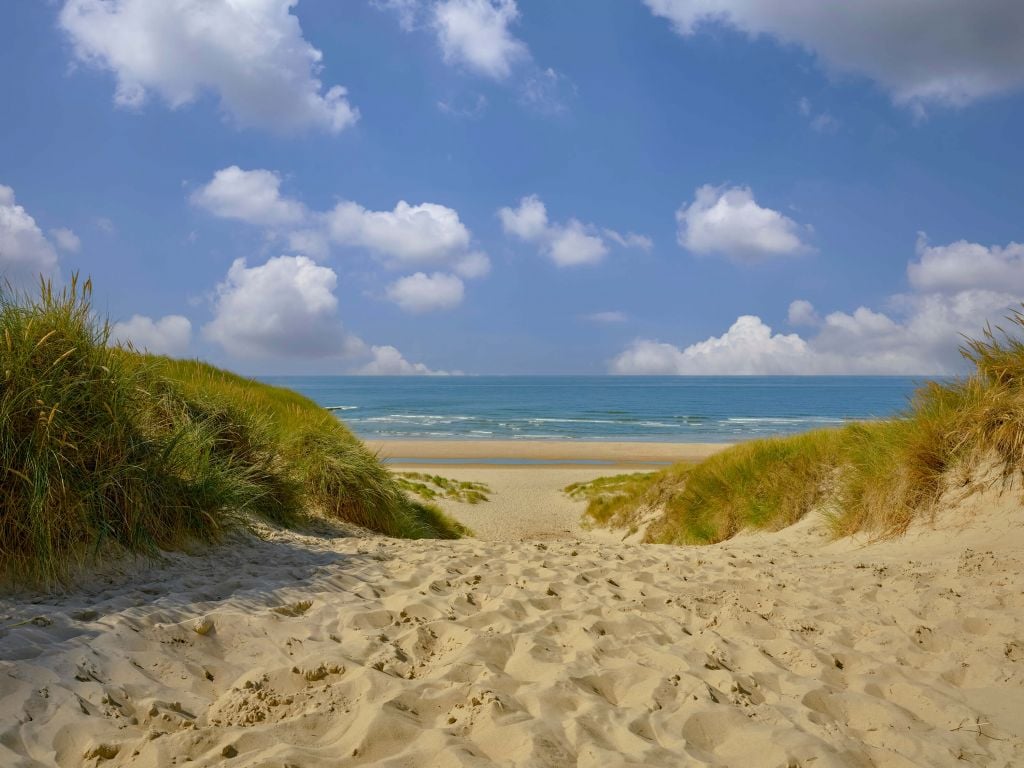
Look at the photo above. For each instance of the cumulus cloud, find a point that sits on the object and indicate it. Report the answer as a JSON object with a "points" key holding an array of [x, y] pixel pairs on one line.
{"points": [[388, 361], [802, 312], [250, 53], [66, 240], [729, 222], [529, 221], [250, 196], [170, 335], [944, 52], [920, 333], [476, 34], [413, 237], [410, 235], [283, 308], [962, 265], [25, 253], [748, 347], [426, 293], [570, 244]]}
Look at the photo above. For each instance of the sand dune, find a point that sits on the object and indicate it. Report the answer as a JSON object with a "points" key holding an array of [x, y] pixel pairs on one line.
{"points": [[301, 650]]}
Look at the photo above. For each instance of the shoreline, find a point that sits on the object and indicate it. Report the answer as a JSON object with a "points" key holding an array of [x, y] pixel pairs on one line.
{"points": [[547, 453]]}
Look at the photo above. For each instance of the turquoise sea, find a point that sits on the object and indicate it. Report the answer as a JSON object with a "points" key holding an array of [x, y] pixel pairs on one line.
{"points": [[665, 408]]}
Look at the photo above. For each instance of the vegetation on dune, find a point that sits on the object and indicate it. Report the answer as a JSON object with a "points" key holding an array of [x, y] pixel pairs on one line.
{"points": [[103, 448], [432, 487], [875, 476]]}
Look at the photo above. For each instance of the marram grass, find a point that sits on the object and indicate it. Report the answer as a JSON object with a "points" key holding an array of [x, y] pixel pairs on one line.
{"points": [[102, 448], [877, 477]]}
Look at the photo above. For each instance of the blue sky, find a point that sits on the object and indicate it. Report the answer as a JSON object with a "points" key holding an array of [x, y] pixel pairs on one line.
{"points": [[671, 186]]}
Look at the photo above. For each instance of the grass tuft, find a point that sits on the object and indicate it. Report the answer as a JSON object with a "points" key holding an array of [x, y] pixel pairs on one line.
{"points": [[430, 487]]}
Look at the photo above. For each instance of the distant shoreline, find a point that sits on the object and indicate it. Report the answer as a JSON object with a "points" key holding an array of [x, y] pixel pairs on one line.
{"points": [[528, 453]]}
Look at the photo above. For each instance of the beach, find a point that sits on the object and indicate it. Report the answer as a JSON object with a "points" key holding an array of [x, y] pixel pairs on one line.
{"points": [[642, 455], [537, 643]]}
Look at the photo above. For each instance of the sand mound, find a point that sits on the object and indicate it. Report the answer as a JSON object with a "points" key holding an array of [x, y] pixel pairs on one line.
{"points": [[772, 650]]}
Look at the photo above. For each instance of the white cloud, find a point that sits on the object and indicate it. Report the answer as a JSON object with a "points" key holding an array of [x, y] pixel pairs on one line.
{"points": [[250, 53], [283, 308], [571, 244], [25, 253], [802, 312], [731, 223], [65, 239], [105, 225], [609, 317], [250, 196], [476, 34], [473, 265], [426, 293], [170, 335], [630, 240], [410, 235], [962, 265], [388, 361], [748, 347], [921, 334], [528, 222], [945, 52]]}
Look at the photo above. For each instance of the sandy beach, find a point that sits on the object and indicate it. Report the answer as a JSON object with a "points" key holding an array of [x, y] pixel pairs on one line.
{"points": [[534, 644], [622, 454]]}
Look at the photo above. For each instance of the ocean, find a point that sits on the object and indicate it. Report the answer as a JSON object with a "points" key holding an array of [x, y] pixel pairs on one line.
{"points": [[657, 408]]}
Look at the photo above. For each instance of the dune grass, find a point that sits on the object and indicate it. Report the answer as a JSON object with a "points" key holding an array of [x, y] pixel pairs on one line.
{"points": [[105, 448], [430, 487], [877, 477]]}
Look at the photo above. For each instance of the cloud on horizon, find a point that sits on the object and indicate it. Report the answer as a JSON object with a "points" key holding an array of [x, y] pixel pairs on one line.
{"points": [[957, 289]]}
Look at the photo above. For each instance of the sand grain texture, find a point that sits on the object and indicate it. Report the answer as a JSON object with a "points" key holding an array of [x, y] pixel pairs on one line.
{"points": [[771, 650]]}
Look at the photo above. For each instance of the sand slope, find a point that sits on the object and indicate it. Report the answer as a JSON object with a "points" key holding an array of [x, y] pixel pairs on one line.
{"points": [[772, 650]]}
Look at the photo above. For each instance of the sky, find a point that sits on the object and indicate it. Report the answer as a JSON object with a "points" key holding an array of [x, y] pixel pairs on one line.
{"points": [[521, 186]]}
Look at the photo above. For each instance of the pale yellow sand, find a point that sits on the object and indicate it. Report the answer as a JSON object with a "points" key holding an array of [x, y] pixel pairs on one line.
{"points": [[525, 502], [547, 450], [771, 650]]}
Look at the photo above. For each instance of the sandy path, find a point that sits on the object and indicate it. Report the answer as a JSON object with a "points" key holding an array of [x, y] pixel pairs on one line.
{"points": [[524, 503], [772, 650]]}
